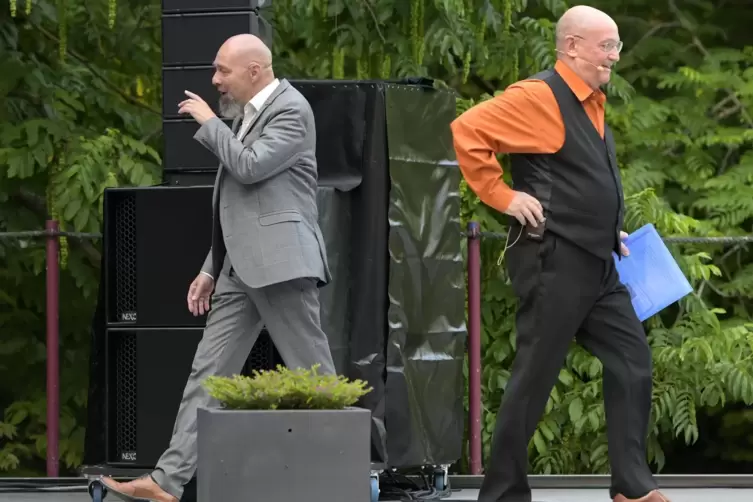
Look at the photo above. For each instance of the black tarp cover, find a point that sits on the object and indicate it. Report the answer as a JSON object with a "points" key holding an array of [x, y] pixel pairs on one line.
{"points": [[351, 151], [426, 290]]}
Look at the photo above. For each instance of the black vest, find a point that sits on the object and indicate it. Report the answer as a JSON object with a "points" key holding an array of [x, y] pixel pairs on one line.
{"points": [[579, 186]]}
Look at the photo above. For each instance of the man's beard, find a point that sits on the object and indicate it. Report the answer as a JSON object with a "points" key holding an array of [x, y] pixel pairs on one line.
{"points": [[230, 108]]}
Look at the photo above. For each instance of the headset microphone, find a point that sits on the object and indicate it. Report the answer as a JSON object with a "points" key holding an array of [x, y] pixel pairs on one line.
{"points": [[598, 67]]}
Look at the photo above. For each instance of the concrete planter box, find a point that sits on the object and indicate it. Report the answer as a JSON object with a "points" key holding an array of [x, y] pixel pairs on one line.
{"points": [[284, 455]]}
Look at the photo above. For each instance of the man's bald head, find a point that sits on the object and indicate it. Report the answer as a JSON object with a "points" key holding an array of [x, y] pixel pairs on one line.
{"points": [[588, 42], [579, 19], [247, 49], [243, 68]]}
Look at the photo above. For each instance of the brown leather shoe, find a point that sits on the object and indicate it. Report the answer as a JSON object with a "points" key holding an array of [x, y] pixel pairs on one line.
{"points": [[653, 496], [142, 489]]}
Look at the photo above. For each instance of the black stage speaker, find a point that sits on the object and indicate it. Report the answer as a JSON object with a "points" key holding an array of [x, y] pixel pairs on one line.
{"points": [[156, 240], [194, 38], [182, 151], [211, 5], [146, 373], [192, 33], [177, 79], [189, 178]]}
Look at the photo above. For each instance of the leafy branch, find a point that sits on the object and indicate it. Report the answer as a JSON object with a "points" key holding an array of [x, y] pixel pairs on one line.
{"points": [[94, 71], [683, 20]]}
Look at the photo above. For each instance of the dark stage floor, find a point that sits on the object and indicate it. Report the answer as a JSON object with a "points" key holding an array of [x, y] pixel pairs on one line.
{"points": [[545, 489], [540, 495]]}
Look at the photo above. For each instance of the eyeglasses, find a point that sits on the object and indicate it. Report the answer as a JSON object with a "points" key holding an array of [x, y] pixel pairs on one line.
{"points": [[611, 45], [608, 46]]}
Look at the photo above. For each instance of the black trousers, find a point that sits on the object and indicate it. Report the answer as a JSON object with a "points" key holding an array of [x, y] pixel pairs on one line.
{"points": [[565, 293]]}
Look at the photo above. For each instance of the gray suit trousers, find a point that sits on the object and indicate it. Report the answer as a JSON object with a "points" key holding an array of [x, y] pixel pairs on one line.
{"points": [[290, 311]]}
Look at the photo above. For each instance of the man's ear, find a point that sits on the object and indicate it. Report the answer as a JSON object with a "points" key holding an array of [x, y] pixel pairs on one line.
{"points": [[252, 69], [570, 46]]}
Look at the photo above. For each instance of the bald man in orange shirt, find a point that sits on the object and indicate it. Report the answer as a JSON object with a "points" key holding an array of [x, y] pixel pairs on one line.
{"points": [[567, 208]]}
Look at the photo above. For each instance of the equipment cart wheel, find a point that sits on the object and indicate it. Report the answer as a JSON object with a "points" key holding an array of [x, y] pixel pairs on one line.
{"points": [[375, 488], [97, 491], [440, 479]]}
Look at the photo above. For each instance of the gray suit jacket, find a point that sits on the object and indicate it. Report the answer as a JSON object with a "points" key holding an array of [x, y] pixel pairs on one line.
{"points": [[264, 202]]}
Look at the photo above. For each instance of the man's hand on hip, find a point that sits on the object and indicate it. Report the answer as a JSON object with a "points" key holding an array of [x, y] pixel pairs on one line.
{"points": [[199, 293], [526, 209]]}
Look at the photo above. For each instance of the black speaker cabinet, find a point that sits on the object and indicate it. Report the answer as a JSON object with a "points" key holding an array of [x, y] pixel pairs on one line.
{"points": [[211, 5], [177, 80], [156, 240], [194, 38], [182, 151], [188, 178], [146, 373]]}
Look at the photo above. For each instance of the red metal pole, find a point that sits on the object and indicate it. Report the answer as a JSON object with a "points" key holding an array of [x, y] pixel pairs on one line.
{"points": [[53, 340], [474, 345]]}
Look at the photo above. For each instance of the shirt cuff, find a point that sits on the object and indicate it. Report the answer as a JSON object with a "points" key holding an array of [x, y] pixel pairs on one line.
{"points": [[207, 274]]}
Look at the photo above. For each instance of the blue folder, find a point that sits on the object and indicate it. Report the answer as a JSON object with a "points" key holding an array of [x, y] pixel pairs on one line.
{"points": [[650, 273]]}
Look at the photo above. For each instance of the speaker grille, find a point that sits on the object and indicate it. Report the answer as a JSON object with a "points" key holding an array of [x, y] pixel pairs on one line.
{"points": [[262, 356], [125, 259], [125, 367]]}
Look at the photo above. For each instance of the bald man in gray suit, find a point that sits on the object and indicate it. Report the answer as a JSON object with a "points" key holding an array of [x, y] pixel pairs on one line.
{"points": [[267, 255]]}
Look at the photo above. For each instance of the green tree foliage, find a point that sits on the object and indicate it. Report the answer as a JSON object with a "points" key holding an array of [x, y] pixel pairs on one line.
{"points": [[79, 111], [680, 106]]}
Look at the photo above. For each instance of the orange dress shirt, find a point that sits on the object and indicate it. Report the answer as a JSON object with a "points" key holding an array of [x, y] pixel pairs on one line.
{"points": [[523, 119]]}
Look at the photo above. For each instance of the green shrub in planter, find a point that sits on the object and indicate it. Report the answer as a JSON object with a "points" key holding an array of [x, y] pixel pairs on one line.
{"points": [[284, 435], [286, 389]]}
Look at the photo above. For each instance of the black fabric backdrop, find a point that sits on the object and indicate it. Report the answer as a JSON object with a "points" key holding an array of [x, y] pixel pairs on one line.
{"points": [[395, 311], [426, 332]]}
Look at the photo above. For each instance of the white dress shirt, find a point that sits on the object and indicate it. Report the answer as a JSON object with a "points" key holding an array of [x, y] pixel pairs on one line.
{"points": [[255, 104]]}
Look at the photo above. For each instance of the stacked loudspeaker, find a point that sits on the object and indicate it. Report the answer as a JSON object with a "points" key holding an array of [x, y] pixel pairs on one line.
{"points": [[155, 242], [192, 32]]}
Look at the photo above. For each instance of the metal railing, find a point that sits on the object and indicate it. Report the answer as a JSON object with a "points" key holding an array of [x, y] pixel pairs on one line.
{"points": [[473, 234], [52, 235]]}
